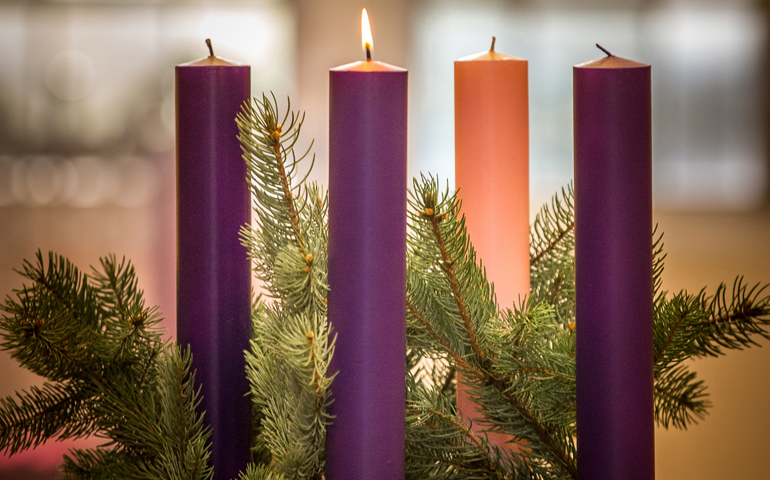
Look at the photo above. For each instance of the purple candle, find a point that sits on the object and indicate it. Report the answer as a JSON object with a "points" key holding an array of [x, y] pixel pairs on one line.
{"points": [[367, 270], [213, 271], [613, 269]]}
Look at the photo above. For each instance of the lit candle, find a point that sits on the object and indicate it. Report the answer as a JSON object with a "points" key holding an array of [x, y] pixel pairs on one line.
{"points": [[213, 272], [367, 268], [613, 269], [492, 173]]}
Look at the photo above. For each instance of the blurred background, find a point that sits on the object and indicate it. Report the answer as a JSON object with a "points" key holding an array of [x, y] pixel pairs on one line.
{"points": [[87, 142]]}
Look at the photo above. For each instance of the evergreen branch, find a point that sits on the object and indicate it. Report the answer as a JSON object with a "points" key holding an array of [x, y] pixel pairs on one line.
{"points": [[268, 145], [288, 245], [553, 225], [43, 282], [290, 386], [149, 363], [689, 325], [733, 323], [116, 285], [658, 260], [560, 234], [79, 285], [556, 289], [291, 345], [314, 360], [107, 390], [185, 455], [546, 372], [274, 136], [55, 410], [745, 311], [447, 265], [543, 432], [441, 446], [432, 369], [449, 380], [260, 472], [123, 312], [438, 448], [672, 332], [95, 339], [744, 315], [680, 399], [468, 433], [456, 356], [180, 408], [101, 464], [93, 376], [444, 219], [552, 260]]}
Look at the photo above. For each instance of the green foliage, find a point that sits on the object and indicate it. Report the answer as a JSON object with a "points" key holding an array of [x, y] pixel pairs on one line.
{"points": [[108, 374], [552, 258], [261, 472], [292, 343], [518, 362], [698, 325], [288, 242]]}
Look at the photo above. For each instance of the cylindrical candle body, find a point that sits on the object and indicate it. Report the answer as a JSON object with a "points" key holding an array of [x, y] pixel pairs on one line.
{"points": [[492, 166], [367, 270], [492, 174], [613, 270], [213, 271]]}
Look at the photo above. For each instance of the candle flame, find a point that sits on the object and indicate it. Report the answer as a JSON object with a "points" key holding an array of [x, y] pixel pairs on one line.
{"points": [[366, 33]]}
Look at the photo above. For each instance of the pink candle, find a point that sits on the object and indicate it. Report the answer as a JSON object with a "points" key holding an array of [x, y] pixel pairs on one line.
{"points": [[367, 269], [492, 173]]}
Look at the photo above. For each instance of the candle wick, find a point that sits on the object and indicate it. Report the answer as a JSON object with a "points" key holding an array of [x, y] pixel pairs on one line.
{"points": [[492, 48], [211, 49], [604, 50], [368, 52]]}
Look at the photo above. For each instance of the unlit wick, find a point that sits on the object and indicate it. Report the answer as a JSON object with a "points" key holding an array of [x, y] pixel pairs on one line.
{"points": [[604, 50], [492, 48], [211, 49]]}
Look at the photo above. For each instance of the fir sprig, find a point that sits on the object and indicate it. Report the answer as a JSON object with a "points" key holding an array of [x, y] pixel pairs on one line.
{"points": [[450, 300], [260, 472], [32, 417], [108, 371], [698, 325], [552, 265], [288, 242], [293, 344]]}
